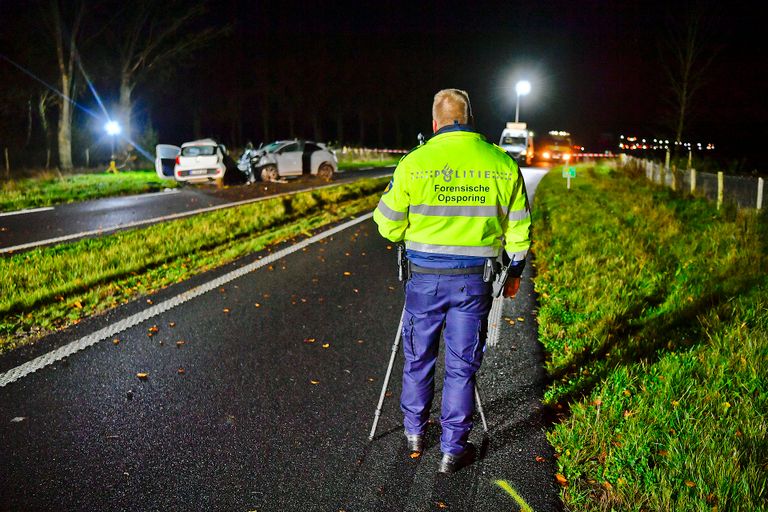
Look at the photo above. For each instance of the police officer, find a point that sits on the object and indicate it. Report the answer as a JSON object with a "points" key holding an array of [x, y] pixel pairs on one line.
{"points": [[456, 201]]}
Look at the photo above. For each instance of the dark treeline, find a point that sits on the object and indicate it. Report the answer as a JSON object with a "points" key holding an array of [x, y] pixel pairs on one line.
{"points": [[227, 70]]}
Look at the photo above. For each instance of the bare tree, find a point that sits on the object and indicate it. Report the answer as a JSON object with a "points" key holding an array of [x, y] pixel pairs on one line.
{"points": [[686, 61], [151, 36], [65, 38]]}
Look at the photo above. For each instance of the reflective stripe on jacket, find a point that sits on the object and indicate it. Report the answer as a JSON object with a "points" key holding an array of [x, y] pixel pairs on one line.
{"points": [[457, 194]]}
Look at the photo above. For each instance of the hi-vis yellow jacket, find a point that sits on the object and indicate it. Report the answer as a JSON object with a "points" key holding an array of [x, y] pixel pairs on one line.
{"points": [[458, 195]]}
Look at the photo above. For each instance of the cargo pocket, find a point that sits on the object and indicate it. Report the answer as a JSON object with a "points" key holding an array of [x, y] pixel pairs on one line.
{"points": [[478, 288], [407, 337]]}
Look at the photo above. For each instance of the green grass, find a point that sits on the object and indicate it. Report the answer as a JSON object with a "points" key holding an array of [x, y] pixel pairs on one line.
{"points": [[384, 162], [654, 315], [50, 189], [54, 287]]}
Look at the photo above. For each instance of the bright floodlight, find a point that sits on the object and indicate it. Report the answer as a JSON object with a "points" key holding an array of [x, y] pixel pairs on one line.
{"points": [[523, 87], [112, 128]]}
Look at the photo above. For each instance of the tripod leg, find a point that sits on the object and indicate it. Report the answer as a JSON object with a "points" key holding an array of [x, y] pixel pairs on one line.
{"points": [[395, 348], [480, 408]]}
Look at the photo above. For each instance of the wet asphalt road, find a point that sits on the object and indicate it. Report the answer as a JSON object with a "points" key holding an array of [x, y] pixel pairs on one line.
{"points": [[90, 218], [262, 417]]}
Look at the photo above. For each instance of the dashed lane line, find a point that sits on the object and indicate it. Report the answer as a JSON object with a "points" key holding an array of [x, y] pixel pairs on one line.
{"points": [[49, 358], [29, 210]]}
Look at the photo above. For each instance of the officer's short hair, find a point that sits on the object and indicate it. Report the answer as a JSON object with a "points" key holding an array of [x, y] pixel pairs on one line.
{"points": [[451, 105]]}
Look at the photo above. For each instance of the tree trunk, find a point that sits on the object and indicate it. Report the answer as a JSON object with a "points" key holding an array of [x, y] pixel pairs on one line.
{"points": [[42, 107], [28, 137], [66, 79], [125, 109], [64, 138]]}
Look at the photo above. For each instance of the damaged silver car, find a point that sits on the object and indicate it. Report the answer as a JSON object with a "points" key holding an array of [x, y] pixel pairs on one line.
{"points": [[288, 158]]}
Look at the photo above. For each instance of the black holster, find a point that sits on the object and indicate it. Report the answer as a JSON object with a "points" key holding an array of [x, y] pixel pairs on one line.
{"points": [[403, 269]]}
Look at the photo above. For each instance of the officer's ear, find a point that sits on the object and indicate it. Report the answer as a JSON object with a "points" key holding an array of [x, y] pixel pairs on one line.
{"points": [[434, 126]]}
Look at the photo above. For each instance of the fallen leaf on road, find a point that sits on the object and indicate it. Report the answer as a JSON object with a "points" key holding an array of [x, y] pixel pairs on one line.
{"points": [[314, 381], [142, 376], [171, 324], [347, 273], [441, 504], [360, 342], [326, 345], [18, 419], [226, 310], [181, 371], [115, 341], [180, 343], [149, 301], [520, 319], [257, 305], [371, 379], [309, 340], [561, 480], [388, 394], [415, 455], [539, 458], [153, 329]]}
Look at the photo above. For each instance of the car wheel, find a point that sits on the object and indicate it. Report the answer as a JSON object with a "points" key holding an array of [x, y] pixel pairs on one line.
{"points": [[325, 171], [269, 173]]}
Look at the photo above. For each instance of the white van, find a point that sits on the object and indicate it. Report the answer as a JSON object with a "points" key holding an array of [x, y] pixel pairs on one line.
{"points": [[518, 142]]}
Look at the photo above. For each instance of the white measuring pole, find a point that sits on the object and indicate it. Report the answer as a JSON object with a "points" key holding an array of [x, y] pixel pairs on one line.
{"points": [[720, 180], [760, 183], [693, 181]]}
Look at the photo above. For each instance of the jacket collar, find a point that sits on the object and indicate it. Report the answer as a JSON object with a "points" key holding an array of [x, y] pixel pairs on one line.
{"points": [[455, 127]]}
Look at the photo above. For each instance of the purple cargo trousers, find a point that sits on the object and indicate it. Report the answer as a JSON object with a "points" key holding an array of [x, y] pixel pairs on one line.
{"points": [[457, 306]]}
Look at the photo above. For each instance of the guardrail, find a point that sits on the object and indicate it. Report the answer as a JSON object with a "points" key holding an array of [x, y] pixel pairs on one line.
{"points": [[745, 191]]}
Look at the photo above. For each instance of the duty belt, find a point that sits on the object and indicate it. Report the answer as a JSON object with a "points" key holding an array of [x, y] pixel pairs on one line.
{"points": [[446, 271]]}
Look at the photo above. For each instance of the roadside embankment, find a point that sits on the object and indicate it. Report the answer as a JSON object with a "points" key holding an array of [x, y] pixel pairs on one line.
{"points": [[654, 316]]}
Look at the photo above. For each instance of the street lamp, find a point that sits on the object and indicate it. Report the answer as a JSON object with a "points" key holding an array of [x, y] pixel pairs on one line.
{"points": [[522, 88], [113, 130]]}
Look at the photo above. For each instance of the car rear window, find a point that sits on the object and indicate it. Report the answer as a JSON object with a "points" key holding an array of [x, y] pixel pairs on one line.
{"points": [[198, 151]]}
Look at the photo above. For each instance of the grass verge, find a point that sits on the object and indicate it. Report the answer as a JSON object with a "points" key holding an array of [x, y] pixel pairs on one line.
{"points": [[50, 189], [384, 162], [654, 315], [54, 287]]}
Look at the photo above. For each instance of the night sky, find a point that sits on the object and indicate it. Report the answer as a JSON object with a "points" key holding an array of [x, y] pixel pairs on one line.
{"points": [[366, 72]]}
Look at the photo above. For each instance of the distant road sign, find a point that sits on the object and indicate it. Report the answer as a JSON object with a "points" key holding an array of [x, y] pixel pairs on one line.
{"points": [[570, 172]]}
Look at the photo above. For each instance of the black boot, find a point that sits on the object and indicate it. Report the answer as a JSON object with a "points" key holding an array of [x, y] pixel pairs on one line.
{"points": [[452, 463], [415, 442]]}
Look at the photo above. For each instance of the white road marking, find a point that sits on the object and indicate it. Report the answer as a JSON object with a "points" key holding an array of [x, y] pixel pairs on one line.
{"points": [[51, 357], [30, 210], [144, 222]]}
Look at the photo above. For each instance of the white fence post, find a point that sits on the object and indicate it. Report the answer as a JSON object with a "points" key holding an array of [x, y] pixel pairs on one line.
{"points": [[760, 183], [693, 181], [720, 180]]}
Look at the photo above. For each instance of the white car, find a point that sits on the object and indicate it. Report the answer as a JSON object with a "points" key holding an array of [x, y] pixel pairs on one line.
{"points": [[198, 160], [286, 158]]}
